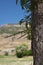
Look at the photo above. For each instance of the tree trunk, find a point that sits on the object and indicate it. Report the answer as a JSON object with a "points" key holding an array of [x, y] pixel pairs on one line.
{"points": [[37, 34]]}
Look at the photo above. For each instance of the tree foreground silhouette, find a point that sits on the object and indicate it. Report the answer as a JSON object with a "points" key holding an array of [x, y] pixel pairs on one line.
{"points": [[36, 8]]}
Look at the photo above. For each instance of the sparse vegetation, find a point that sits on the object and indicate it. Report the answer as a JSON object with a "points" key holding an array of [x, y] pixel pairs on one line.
{"points": [[28, 53], [6, 53], [11, 29], [13, 60], [22, 50], [6, 58]]}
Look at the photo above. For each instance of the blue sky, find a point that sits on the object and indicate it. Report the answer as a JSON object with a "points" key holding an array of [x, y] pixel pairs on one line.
{"points": [[10, 12]]}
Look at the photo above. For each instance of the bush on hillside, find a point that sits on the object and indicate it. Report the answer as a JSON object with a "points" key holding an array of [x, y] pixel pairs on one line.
{"points": [[20, 51], [28, 53], [6, 53]]}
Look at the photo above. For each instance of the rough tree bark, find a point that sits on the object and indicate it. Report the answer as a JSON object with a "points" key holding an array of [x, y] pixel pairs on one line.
{"points": [[37, 34]]}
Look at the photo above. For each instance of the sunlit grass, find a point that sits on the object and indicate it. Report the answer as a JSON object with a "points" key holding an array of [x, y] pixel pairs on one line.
{"points": [[13, 60]]}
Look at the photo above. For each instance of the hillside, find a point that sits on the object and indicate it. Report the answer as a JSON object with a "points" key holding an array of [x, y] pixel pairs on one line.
{"points": [[11, 28], [9, 44]]}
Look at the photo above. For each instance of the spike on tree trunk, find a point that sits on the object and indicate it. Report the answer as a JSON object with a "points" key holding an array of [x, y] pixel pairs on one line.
{"points": [[37, 34]]}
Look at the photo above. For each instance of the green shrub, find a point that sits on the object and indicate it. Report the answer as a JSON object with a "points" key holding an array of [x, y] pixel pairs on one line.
{"points": [[6, 53], [28, 53], [20, 51]]}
